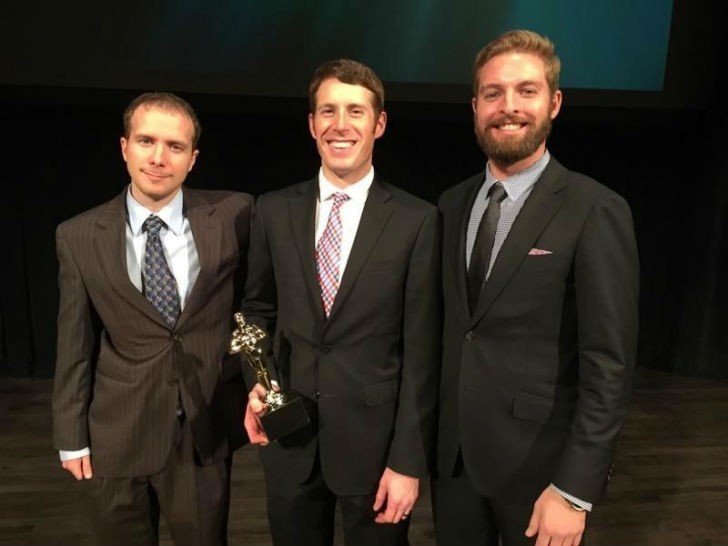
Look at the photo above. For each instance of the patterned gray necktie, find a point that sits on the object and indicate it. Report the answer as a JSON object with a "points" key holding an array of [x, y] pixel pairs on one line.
{"points": [[480, 258], [160, 286]]}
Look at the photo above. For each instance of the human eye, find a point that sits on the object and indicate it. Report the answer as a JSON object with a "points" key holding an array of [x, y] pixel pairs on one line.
{"points": [[490, 94], [177, 147], [326, 111], [144, 140]]}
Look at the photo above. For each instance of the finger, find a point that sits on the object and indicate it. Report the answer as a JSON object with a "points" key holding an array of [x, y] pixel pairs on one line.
{"points": [[74, 467], [532, 528], [392, 514], [577, 539], [256, 406], [546, 540], [88, 472], [380, 498], [255, 431]]}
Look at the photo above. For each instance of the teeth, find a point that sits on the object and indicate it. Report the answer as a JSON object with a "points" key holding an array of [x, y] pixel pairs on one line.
{"points": [[510, 127], [340, 145]]}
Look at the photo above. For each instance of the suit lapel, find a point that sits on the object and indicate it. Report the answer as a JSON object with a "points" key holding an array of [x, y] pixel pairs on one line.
{"points": [[462, 207], [206, 231], [374, 217], [302, 215], [110, 246], [540, 207]]}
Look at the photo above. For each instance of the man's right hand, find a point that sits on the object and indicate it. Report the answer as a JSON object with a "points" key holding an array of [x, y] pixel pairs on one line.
{"points": [[80, 468], [255, 409]]}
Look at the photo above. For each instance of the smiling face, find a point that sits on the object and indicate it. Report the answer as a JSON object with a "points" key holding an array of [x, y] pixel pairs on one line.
{"points": [[345, 125], [159, 153], [513, 110]]}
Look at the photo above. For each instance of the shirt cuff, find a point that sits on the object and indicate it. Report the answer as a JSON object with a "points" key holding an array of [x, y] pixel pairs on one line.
{"points": [[68, 455], [571, 498]]}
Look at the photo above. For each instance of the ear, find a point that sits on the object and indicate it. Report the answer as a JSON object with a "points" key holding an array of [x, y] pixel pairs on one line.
{"points": [[381, 124], [193, 160], [123, 143], [556, 103], [474, 103], [311, 128]]}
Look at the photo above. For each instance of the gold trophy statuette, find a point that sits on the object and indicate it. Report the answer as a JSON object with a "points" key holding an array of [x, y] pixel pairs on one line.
{"points": [[285, 411]]}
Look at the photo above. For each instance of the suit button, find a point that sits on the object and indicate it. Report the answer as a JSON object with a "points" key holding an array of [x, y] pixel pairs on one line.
{"points": [[177, 338], [469, 336], [317, 395], [326, 349], [173, 383]]}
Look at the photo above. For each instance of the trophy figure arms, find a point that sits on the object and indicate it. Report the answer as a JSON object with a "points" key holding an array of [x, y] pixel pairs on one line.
{"points": [[246, 338]]}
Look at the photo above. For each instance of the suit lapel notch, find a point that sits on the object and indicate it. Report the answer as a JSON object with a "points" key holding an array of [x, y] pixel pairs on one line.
{"points": [[537, 212], [302, 216], [374, 218], [206, 232]]}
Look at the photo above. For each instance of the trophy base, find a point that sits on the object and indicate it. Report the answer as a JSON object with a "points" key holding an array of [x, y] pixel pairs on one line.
{"points": [[287, 418]]}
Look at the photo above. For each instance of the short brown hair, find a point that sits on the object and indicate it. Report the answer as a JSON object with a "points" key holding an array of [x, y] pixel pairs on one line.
{"points": [[165, 101], [347, 71], [521, 41]]}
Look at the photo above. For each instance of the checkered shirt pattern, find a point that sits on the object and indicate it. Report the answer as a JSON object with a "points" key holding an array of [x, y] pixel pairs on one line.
{"points": [[160, 286], [328, 254]]}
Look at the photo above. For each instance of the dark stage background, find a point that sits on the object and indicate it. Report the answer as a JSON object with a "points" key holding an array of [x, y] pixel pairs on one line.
{"points": [[663, 151]]}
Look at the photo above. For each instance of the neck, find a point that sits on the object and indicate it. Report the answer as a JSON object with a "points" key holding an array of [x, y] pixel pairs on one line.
{"points": [[348, 179], [502, 170]]}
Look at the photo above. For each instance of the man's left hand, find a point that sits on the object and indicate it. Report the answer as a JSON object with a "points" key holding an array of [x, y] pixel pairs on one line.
{"points": [[555, 522], [395, 497]]}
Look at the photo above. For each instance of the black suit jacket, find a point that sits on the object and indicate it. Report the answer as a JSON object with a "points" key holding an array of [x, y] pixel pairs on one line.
{"points": [[371, 369], [535, 384], [120, 368]]}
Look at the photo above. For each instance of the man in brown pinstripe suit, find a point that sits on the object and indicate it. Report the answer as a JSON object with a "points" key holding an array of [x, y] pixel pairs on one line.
{"points": [[146, 408]]}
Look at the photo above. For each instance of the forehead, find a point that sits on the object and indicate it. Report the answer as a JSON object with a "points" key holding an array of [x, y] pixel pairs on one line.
{"points": [[152, 118], [333, 91], [511, 68]]}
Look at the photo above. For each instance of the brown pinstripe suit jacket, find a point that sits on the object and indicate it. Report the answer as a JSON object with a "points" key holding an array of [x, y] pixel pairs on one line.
{"points": [[120, 369]]}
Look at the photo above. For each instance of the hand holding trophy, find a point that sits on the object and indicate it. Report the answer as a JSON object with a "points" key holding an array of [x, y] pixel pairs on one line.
{"points": [[285, 411]]}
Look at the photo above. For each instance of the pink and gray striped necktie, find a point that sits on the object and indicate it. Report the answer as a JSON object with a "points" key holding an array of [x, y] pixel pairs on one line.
{"points": [[328, 254]]}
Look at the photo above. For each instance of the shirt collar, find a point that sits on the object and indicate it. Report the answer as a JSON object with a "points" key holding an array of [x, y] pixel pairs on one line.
{"points": [[171, 214], [517, 184], [357, 191]]}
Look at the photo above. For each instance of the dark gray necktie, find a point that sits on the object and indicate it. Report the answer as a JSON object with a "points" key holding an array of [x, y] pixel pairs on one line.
{"points": [[160, 286], [480, 258]]}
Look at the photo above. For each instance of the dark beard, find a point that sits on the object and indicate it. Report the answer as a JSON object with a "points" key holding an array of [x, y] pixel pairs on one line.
{"points": [[512, 151]]}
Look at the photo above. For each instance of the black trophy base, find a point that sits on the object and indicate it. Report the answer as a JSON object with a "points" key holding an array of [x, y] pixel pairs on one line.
{"points": [[291, 416]]}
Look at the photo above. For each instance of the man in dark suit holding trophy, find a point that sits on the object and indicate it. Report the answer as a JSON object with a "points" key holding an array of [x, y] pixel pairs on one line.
{"points": [[344, 274]]}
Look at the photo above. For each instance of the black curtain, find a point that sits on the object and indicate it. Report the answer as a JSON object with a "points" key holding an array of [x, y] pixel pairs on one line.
{"points": [[61, 157]]}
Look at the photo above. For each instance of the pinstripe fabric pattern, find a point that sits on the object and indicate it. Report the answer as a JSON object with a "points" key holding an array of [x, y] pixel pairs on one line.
{"points": [[121, 369]]}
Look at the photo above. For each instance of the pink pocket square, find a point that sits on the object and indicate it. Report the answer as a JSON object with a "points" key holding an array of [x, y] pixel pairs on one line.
{"points": [[539, 252]]}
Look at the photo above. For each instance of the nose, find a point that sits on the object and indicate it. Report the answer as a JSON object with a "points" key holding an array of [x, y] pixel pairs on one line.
{"points": [[341, 121], [157, 155], [509, 102]]}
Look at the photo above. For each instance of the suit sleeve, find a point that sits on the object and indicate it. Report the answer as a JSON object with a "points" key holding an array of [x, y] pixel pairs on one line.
{"points": [[412, 447], [260, 298], [606, 277], [76, 341]]}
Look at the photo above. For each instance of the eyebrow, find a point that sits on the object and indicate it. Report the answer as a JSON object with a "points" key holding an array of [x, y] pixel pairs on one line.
{"points": [[169, 142]]}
